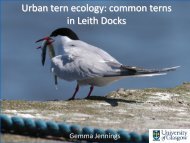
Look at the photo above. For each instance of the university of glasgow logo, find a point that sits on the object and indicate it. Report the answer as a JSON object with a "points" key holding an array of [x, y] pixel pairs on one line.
{"points": [[156, 135]]}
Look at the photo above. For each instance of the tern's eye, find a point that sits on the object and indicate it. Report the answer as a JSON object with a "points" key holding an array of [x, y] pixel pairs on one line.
{"points": [[72, 45]]}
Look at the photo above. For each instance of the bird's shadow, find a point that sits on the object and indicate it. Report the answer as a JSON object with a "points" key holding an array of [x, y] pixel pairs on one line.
{"points": [[112, 101]]}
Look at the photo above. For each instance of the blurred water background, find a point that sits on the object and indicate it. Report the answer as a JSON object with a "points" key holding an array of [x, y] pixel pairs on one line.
{"points": [[151, 40]]}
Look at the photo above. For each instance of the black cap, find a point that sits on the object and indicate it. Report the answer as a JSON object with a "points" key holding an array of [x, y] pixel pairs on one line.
{"points": [[65, 32]]}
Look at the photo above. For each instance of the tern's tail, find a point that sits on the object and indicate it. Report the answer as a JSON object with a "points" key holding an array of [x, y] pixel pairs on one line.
{"points": [[141, 72]]}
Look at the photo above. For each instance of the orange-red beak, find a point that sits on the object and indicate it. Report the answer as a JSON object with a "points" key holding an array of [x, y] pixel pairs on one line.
{"points": [[48, 39], [45, 38]]}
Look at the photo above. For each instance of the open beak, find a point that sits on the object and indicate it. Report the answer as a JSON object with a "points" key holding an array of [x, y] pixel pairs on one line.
{"points": [[48, 41]]}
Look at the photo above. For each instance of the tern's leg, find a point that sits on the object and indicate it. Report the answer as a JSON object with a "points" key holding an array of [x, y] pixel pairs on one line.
{"points": [[91, 89], [76, 90]]}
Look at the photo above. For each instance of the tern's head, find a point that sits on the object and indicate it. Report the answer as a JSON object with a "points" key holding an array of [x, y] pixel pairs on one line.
{"points": [[58, 36], [62, 36], [64, 32], [60, 32]]}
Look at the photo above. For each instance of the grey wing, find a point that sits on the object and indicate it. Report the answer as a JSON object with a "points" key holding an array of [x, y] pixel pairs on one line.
{"points": [[82, 61], [79, 68]]}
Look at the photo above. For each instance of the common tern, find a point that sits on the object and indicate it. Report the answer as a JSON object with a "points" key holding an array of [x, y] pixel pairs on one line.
{"points": [[76, 60]]}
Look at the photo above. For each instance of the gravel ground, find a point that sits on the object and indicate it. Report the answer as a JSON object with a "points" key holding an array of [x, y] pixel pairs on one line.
{"points": [[133, 110]]}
